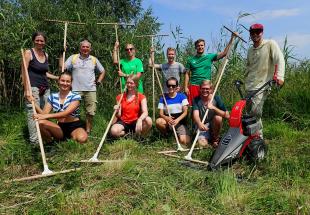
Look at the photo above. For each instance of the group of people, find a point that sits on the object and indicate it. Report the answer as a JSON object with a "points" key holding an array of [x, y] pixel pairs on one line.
{"points": [[79, 82]]}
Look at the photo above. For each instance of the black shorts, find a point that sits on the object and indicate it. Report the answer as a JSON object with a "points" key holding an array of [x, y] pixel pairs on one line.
{"points": [[128, 127], [68, 127]]}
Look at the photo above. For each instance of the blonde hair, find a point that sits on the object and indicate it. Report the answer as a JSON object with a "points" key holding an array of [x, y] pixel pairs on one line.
{"points": [[136, 81]]}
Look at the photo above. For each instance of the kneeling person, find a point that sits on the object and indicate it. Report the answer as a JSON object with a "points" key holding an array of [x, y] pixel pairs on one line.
{"points": [[209, 131], [65, 104], [132, 113], [178, 108]]}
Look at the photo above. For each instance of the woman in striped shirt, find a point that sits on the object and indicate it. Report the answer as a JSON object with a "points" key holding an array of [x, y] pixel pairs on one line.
{"points": [[65, 105]]}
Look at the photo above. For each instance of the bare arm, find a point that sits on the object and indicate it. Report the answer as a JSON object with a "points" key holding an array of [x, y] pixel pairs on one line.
{"points": [[27, 91], [152, 61], [72, 107], [51, 76], [197, 121], [101, 77], [183, 115], [186, 81], [222, 54], [114, 54], [47, 108], [143, 110], [224, 114]]}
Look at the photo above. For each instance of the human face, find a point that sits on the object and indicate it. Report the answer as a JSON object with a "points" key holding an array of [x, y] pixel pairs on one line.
{"points": [[200, 47], [131, 85], [205, 90], [85, 49], [172, 86], [130, 50], [170, 56], [256, 35], [65, 82], [39, 42]]}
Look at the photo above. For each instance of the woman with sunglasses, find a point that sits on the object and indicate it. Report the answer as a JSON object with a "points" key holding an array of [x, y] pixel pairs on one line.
{"points": [[178, 107], [132, 114], [129, 65], [65, 105], [36, 60]]}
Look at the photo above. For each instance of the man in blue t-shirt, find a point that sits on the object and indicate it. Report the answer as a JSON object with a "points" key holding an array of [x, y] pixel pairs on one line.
{"points": [[178, 107], [210, 129]]}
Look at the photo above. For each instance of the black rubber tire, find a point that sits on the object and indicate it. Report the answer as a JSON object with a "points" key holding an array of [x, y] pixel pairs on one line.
{"points": [[257, 150]]}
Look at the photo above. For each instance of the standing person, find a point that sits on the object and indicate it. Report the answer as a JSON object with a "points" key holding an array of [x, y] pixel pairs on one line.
{"points": [[262, 59], [84, 68], [129, 65], [210, 129], [36, 60], [169, 69], [178, 108], [198, 68], [132, 114], [65, 104]]}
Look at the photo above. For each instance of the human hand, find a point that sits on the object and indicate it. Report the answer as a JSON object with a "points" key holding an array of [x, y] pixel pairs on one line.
{"points": [[39, 116], [121, 74], [203, 127], [211, 106], [29, 97], [234, 34], [116, 107], [280, 82], [116, 45]]}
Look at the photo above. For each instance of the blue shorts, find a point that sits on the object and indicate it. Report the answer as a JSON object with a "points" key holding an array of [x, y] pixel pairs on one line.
{"points": [[205, 134]]}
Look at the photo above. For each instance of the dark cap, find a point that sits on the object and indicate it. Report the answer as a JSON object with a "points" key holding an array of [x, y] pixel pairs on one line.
{"points": [[257, 26]]}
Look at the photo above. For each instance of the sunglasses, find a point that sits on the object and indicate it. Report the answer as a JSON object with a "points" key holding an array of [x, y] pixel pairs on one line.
{"points": [[256, 31], [171, 85], [129, 49]]}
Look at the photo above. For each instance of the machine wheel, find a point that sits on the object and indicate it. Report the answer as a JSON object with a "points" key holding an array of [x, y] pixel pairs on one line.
{"points": [[257, 150]]}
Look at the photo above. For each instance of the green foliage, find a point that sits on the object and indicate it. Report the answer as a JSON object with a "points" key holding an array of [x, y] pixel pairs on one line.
{"points": [[19, 19], [144, 182]]}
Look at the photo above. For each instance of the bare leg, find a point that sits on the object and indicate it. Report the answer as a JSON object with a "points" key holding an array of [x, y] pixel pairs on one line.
{"points": [[117, 130], [203, 143], [50, 130], [162, 125], [79, 135], [217, 123], [185, 139], [146, 126], [89, 123]]}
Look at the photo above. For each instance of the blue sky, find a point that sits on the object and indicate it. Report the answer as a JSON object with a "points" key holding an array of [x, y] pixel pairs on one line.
{"points": [[204, 18]]}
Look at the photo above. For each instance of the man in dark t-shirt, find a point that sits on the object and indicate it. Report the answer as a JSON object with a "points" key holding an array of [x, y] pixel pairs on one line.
{"points": [[210, 129]]}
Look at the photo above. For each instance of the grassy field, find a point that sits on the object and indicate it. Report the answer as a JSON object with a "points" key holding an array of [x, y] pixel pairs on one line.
{"points": [[144, 182]]}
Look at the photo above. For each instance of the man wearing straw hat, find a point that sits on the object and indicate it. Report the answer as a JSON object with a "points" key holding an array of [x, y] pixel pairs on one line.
{"points": [[84, 67], [264, 58]]}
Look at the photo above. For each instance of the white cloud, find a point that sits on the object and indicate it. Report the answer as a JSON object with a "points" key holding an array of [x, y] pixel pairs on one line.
{"points": [[272, 14], [184, 4], [299, 42]]}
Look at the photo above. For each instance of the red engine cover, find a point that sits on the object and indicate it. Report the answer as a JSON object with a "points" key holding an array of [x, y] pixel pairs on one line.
{"points": [[236, 114]]}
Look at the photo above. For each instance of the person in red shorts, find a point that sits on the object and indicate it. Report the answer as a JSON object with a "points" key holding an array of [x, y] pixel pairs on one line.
{"points": [[132, 113], [198, 68]]}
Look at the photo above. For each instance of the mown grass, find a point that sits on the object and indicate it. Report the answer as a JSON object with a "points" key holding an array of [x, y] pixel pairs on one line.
{"points": [[144, 182]]}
